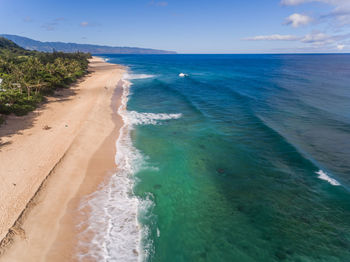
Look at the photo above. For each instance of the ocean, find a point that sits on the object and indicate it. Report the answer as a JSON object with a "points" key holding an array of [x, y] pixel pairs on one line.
{"points": [[229, 158]]}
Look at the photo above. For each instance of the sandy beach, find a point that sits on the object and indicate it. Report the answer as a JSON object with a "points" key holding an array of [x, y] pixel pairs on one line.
{"points": [[51, 159]]}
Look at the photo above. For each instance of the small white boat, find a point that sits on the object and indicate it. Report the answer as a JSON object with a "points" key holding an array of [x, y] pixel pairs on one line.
{"points": [[183, 75]]}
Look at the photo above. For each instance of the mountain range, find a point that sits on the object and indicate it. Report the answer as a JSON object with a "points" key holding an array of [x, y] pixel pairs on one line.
{"points": [[31, 44]]}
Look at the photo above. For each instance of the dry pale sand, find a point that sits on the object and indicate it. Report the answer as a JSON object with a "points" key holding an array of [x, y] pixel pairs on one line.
{"points": [[52, 158]]}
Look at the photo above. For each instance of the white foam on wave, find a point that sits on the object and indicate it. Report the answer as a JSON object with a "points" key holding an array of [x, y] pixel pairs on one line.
{"points": [[113, 210], [136, 118], [324, 176], [137, 76]]}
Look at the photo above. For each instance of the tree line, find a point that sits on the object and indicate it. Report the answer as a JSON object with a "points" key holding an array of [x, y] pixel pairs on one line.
{"points": [[26, 77]]}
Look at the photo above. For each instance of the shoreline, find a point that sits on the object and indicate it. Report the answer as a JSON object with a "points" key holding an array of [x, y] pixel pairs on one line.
{"points": [[113, 224], [46, 231]]}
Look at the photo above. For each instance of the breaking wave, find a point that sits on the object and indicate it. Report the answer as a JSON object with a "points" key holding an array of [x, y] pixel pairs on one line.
{"points": [[137, 118], [137, 76], [112, 228], [324, 176]]}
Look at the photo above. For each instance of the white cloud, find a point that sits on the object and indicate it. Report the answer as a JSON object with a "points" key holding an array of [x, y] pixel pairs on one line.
{"points": [[52, 26], [317, 38], [340, 47], [294, 2], [341, 11], [84, 24], [331, 2], [275, 37], [341, 14], [27, 19], [297, 20]]}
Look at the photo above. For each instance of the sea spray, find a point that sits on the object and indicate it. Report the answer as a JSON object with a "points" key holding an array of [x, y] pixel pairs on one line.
{"points": [[113, 209], [128, 76], [324, 176]]}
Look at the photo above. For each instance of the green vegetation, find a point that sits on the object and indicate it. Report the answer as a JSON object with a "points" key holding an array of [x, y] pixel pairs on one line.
{"points": [[27, 76]]}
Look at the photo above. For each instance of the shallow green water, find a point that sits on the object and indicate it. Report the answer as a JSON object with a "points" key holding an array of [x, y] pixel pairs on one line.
{"points": [[235, 177]]}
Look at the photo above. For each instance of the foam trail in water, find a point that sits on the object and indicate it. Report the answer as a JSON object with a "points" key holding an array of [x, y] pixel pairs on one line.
{"points": [[137, 118], [137, 76], [323, 175], [112, 230]]}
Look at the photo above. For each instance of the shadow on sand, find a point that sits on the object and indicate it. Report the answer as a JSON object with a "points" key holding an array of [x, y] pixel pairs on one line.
{"points": [[14, 125]]}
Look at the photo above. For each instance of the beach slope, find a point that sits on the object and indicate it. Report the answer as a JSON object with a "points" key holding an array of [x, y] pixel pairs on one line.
{"points": [[51, 159]]}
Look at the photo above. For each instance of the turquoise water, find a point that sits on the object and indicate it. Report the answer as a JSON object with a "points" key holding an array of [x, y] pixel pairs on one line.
{"points": [[257, 168]]}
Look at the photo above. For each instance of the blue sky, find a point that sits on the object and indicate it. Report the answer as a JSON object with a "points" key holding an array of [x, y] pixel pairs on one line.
{"points": [[186, 26]]}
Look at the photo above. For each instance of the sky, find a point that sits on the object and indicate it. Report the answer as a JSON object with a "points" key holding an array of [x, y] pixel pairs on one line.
{"points": [[186, 26]]}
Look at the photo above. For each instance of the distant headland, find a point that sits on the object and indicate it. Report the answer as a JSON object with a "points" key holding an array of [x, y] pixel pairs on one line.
{"points": [[31, 44]]}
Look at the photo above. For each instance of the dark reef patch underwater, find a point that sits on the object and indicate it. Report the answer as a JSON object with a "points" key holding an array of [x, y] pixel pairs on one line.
{"points": [[256, 167]]}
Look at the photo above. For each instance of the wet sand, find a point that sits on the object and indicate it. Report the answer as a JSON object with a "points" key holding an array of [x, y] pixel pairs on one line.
{"points": [[53, 158]]}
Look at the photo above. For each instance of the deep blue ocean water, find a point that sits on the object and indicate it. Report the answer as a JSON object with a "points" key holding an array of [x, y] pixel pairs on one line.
{"points": [[257, 168]]}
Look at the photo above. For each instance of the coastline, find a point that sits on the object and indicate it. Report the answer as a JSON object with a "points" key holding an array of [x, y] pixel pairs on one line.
{"points": [[74, 164]]}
